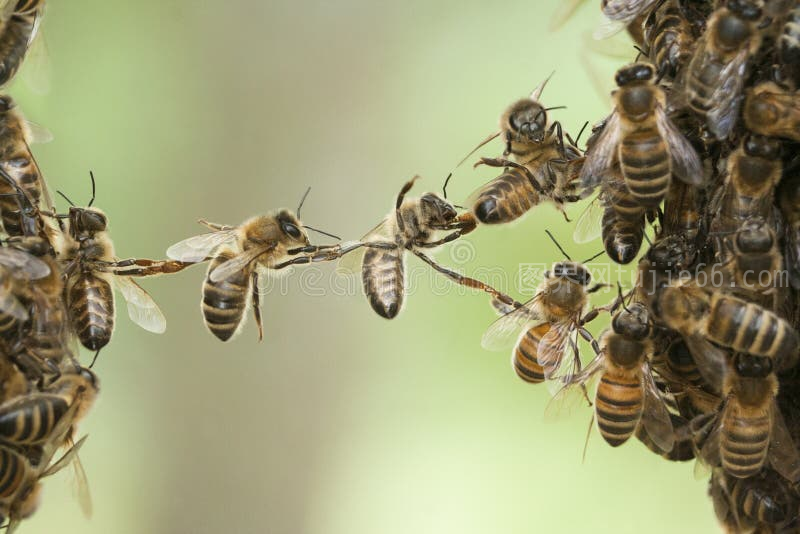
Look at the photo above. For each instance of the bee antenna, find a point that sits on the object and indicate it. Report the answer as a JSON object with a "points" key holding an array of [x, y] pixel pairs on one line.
{"points": [[553, 239], [65, 197], [648, 240], [554, 107], [302, 201], [621, 297], [594, 257], [96, 354], [94, 190], [641, 53], [585, 124], [444, 187], [537, 93], [491, 137], [321, 232]]}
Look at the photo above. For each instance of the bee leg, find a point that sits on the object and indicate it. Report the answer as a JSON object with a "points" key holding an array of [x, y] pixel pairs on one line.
{"points": [[96, 354], [333, 253], [597, 287], [467, 281], [214, 226], [257, 306], [446, 239], [141, 267], [400, 197], [586, 335]]}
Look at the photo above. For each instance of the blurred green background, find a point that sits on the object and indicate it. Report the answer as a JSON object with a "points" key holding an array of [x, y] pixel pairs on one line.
{"points": [[339, 422]]}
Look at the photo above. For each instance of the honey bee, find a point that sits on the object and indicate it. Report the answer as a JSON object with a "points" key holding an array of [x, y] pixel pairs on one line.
{"points": [[749, 429], [772, 111], [683, 444], [756, 263], [789, 201], [18, 269], [627, 395], [621, 14], [552, 315], [789, 43], [92, 269], [19, 22], [645, 142], [754, 502], [670, 36], [715, 75]]}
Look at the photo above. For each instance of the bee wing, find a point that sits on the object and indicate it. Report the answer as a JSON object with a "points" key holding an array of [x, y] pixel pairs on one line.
{"points": [[607, 29], [36, 70], [504, 331], [685, 162], [24, 264], [601, 155], [783, 453], [385, 231], [199, 247], [570, 393], [142, 309], [728, 95], [552, 350], [65, 459], [708, 454], [36, 133], [562, 13], [239, 262], [655, 418], [710, 360], [589, 226], [82, 492], [625, 10]]}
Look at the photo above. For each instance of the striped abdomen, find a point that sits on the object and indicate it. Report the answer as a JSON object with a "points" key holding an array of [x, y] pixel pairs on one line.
{"points": [[645, 164], [670, 39], [681, 363], [618, 405], [90, 301], [383, 273], [12, 472], [18, 162], [225, 302], [747, 327], [31, 420], [703, 76], [744, 439], [622, 237], [525, 360], [507, 197], [11, 313], [15, 37]]}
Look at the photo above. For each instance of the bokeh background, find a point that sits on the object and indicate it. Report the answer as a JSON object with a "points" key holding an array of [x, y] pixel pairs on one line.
{"points": [[340, 421]]}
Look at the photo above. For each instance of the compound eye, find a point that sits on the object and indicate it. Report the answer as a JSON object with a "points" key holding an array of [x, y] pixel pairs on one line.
{"points": [[291, 230], [93, 221]]}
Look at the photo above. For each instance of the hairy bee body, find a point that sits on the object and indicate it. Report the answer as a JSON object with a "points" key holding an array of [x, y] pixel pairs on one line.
{"points": [[225, 302], [622, 236], [13, 472], [670, 38], [30, 420], [645, 163], [746, 425], [618, 405], [506, 198], [15, 36], [90, 299], [772, 111], [384, 280], [525, 360], [761, 499]]}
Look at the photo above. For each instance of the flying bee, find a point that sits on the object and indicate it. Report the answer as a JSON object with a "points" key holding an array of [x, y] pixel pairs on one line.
{"points": [[19, 23], [627, 395], [702, 316], [238, 255], [670, 36], [715, 75], [92, 270], [771, 111], [548, 320], [749, 430], [643, 140], [753, 171]]}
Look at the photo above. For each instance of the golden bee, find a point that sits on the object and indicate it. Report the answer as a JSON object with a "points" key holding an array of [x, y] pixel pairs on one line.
{"points": [[643, 140], [19, 23], [715, 75], [772, 111]]}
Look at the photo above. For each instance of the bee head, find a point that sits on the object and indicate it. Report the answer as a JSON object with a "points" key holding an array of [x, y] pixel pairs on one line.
{"points": [[632, 322], [87, 220], [527, 119], [291, 227], [634, 73], [733, 28], [762, 147], [572, 271], [438, 211], [90, 378]]}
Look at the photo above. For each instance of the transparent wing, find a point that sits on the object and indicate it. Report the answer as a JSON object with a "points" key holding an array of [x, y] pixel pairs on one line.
{"points": [[350, 263], [82, 492], [239, 262], [727, 95], [65, 459], [199, 247], [36, 70], [564, 11], [504, 332], [685, 162], [607, 29], [589, 226], [625, 10], [783, 453], [36, 133], [571, 393], [601, 155], [711, 361], [142, 309], [655, 417], [708, 455], [10, 305], [23, 265], [553, 348]]}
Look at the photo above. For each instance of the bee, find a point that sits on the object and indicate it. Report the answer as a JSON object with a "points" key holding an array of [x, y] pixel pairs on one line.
{"points": [[621, 14], [749, 430], [715, 74], [701, 315], [627, 395], [789, 43], [788, 197], [92, 269], [19, 23], [772, 111], [18, 270], [761, 500], [670, 36], [552, 315], [683, 444], [238, 254], [645, 142], [756, 263]]}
